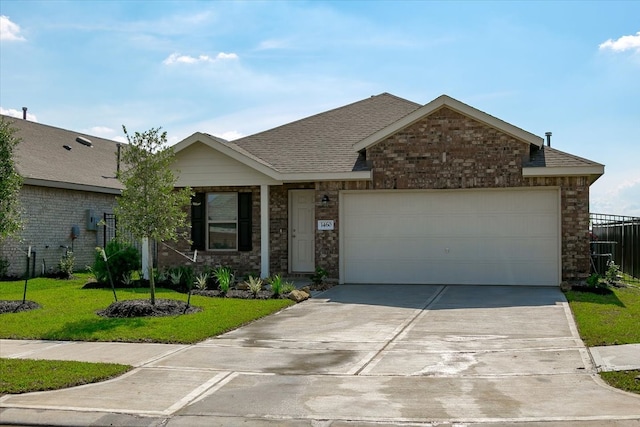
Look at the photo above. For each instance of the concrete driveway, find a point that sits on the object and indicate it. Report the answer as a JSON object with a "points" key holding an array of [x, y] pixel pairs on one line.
{"points": [[356, 355]]}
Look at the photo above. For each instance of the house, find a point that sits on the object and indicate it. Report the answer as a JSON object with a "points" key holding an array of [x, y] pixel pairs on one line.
{"points": [[385, 190], [68, 184]]}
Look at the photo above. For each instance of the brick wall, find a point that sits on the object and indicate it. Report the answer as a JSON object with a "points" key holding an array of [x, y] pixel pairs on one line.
{"points": [[49, 214], [443, 151], [242, 262], [447, 150]]}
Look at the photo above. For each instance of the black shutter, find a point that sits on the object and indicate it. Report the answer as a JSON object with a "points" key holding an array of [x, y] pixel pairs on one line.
{"points": [[244, 221], [198, 221]]}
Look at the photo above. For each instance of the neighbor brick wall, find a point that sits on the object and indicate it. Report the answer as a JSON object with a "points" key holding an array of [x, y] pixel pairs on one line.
{"points": [[49, 214]]}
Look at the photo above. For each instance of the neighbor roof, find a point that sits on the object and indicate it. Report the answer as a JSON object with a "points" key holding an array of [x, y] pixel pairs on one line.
{"points": [[42, 159]]}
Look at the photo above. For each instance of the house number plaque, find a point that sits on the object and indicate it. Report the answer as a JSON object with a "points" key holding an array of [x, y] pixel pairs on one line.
{"points": [[325, 224]]}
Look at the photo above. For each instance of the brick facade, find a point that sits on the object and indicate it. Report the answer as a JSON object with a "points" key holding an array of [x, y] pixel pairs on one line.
{"points": [[49, 214], [445, 150]]}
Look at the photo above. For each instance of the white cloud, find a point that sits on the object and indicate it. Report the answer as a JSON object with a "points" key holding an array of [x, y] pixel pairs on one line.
{"points": [[230, 135], [622, 44], [18, 114], [616, 195], [100, 131], [223, 55], [176, 58], [9, 30]]}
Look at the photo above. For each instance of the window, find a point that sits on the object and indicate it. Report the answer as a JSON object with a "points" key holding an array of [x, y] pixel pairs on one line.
{"points": [[221, 221]]}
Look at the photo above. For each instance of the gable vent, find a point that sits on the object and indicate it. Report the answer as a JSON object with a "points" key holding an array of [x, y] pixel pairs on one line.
{"points": [[84, 141]]}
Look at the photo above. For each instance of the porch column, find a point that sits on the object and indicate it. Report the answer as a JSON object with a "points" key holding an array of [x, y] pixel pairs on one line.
{"points": [[264, 231]]}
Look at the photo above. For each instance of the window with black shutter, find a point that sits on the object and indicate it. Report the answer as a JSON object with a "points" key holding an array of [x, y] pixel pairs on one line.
{"points": [[222, 221]]}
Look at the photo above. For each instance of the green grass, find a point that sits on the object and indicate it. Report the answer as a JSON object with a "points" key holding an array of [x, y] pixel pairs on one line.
{"points": [[607, 319], [69, 313], [625, 380], [25, 375]]}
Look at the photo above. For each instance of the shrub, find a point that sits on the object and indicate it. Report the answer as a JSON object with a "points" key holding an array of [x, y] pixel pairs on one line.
{"points": [[613, 273], [318, 277], [66, 263], [276, 285], [123, 259], [180, 278], [287, 287], [254, 284], [593, 280], [4, 267], [224, 276], [201, 281]]}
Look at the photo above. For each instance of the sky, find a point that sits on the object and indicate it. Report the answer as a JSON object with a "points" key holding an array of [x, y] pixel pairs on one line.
{"points": [[234, 68]]}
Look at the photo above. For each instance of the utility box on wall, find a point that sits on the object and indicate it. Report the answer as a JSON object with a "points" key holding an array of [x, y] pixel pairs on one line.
{"points": [[92, 221]]}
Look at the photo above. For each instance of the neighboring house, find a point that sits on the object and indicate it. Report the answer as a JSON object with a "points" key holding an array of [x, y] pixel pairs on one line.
{"points": [[68, 184], [385, 190]]}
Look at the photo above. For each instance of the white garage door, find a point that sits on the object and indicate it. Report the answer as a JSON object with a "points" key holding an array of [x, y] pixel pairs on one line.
{"points": [[496, 237]]}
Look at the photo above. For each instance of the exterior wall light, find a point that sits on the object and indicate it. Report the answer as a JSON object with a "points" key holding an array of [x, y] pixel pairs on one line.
{"points": [[325, 200]]}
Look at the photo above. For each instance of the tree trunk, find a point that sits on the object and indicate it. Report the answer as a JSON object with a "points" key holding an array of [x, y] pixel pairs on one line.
{"points": [[152, 284]]}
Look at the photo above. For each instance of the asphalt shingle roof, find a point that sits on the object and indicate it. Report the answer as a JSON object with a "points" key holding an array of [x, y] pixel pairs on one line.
{"points": [[324, 142], [550, 157], [41, 155]]}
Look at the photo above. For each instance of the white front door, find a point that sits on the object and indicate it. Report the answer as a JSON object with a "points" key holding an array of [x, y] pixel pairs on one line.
{"points": [[301, 230]]}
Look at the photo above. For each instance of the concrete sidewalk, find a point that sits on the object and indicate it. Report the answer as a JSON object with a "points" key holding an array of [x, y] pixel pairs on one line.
{"points": [[616, 357], [358, 355]]}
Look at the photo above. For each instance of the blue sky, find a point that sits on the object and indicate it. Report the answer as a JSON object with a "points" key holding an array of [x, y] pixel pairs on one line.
{"points": [[236, 68]]}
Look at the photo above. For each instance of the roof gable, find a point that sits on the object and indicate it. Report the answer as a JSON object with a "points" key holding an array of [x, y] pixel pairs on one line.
{"points": [[42, 159], [441, 102], [323, 143]]}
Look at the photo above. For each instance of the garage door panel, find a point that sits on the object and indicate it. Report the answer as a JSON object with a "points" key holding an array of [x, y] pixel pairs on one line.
{"points": [[451, 237]]}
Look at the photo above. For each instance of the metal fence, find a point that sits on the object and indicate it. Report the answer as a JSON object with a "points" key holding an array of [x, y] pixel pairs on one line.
{"points": [[615, 238], [112, 231]]}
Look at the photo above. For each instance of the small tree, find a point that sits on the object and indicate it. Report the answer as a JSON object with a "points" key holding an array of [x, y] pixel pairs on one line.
{"points": [[150, 207], [10, 183]]}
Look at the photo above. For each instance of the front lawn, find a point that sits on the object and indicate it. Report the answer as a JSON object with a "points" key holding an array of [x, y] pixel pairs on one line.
{"points": [[609, 320], [25, 375], [68, 312]]}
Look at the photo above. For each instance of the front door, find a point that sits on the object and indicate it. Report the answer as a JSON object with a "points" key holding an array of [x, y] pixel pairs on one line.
{"points": [[301, 230]]}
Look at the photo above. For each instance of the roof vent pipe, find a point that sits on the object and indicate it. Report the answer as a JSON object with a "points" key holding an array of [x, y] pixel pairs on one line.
{"points": [[118, 165], [24, 113], [548, 135]]}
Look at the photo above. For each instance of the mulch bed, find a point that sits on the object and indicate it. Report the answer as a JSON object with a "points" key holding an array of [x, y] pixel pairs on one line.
{"points": [[144, 308], [16, 306], [599, 290]]}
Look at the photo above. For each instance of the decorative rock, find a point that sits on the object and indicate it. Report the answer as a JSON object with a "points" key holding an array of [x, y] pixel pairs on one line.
{"points": [[306, 289], [298, 295]]}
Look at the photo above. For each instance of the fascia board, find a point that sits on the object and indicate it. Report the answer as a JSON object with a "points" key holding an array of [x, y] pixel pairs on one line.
{"points": [[563, 171], [71, 186], [326, 176], [455, 105], [593, 172]]}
